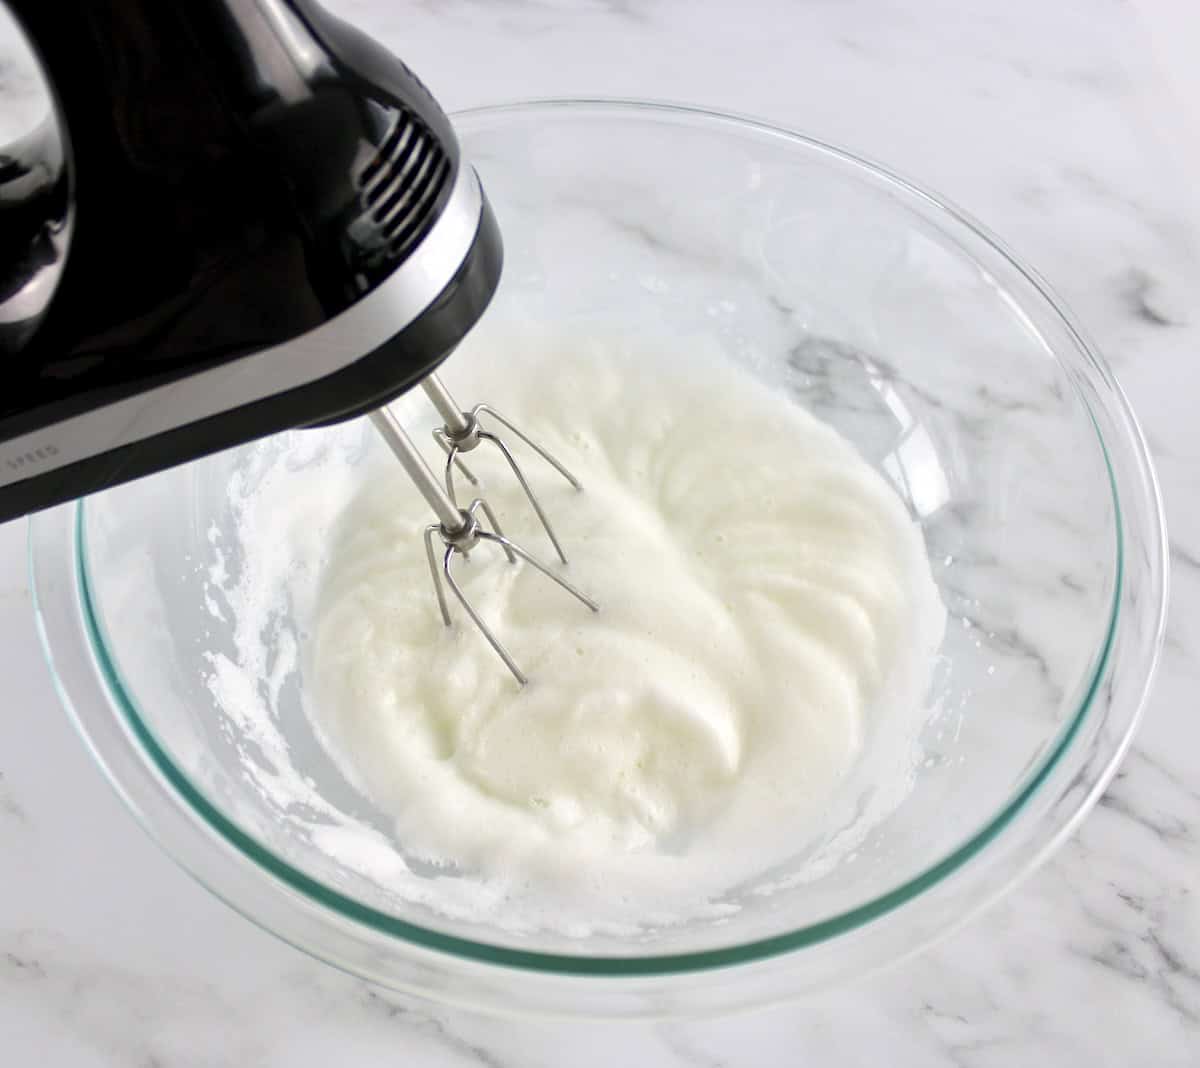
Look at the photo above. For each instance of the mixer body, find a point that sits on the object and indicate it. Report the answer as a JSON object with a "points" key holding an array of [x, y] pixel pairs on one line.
{"points": [[241, 216]]}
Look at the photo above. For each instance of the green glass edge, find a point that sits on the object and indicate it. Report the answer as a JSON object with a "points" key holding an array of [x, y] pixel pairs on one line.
{"points": [[652, 965], [557, 963]]}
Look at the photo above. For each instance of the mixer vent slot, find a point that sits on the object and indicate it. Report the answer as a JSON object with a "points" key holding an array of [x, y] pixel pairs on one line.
{"points": [[399, 187]]}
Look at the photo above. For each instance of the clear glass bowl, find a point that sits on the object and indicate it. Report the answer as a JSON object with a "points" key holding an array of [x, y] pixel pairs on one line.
{"points": [[886, 312]]}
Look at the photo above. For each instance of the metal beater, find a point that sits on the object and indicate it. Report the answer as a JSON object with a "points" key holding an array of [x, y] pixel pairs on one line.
{"points": [[460, 530], [461, 432]]}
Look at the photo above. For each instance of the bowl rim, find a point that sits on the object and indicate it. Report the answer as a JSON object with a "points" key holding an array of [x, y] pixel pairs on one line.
{"points": [[757, 949]]}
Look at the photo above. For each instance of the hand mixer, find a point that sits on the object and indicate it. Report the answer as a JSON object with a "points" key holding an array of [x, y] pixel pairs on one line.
{"points": [[242, 216]]}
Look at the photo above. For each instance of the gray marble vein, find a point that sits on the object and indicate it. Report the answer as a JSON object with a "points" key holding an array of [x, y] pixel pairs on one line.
{"points": [[1139, 292], [10, 808]]}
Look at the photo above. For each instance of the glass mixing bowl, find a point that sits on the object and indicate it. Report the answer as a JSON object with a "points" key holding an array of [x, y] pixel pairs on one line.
{"points": [[884, 311]]}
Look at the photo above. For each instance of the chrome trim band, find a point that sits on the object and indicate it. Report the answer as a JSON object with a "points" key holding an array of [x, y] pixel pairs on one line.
{"points": [[335, 344]]}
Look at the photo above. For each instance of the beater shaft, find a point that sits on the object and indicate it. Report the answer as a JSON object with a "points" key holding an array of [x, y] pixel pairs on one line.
{"points": [[456, 421], [448, 513]]}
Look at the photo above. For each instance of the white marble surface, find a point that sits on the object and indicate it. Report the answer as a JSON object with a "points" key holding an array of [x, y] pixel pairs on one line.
{"points": [[1063, 126]]}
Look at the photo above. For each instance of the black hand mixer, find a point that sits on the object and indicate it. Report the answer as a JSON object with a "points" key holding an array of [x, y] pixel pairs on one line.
{"points": [[241, 216]]}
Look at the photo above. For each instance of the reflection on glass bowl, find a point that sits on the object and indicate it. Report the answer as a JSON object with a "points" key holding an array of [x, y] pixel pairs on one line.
{"points": [[887, 314]]}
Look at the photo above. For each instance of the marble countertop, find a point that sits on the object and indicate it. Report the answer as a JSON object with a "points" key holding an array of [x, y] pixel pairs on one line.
{"points": [[1061, 126]]}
